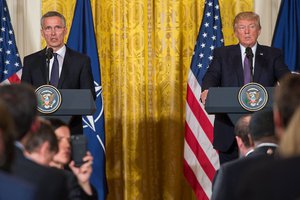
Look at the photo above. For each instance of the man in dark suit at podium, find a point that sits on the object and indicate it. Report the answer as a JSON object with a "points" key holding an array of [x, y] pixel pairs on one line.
{"points": [[68, 69], [232, 67]]}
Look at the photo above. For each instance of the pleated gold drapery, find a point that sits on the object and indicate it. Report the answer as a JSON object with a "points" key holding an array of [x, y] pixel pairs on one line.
{"points": [[145, 48]]}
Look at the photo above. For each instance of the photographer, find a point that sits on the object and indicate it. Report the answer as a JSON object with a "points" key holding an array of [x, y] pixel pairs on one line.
{"points": [[81, 175]]}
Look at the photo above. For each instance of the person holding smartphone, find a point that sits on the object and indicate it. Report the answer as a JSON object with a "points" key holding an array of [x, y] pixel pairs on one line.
{"points": [[62, 160]]}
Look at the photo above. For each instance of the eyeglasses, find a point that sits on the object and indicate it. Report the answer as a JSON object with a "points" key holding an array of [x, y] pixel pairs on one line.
{"points": [[249, 27], [56, 29]]}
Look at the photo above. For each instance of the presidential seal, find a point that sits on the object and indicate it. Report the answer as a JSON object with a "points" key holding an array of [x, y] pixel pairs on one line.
{"points": [[253, 97], [49, 99]]}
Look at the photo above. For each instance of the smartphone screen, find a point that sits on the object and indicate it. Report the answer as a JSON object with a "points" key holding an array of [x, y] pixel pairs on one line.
{"points": [[79, 149]]}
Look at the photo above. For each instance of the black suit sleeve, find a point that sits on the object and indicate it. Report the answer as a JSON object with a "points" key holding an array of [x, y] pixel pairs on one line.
{"points": [[213, 74], [26, 72], [279, 66], [221, 185], [86, 77]]}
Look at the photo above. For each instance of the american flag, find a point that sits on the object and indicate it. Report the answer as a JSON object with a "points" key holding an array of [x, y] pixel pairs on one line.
{"points": [[200, 159], [10, 62]]}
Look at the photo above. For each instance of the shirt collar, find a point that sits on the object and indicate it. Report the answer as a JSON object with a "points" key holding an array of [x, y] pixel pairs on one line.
{"points": [[243, 49], [62, 51]]}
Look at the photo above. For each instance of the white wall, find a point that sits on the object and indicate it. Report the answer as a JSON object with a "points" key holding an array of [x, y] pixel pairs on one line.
{"points": [[25, 16], [268, 11]]}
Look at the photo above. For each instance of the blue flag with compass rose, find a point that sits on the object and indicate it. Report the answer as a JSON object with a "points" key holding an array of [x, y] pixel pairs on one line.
{"points": [[82, 38]]}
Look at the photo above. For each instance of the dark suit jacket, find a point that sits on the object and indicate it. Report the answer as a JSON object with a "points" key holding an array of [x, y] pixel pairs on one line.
{"points": [[76, 74], [50, 183], [13, 188], [263, 150], [271, 180], [75, 192], [226, 70], [228, 176]]}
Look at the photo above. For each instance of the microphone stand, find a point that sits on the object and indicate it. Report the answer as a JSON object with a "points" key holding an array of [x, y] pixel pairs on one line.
{"points": [[47, 70], [49, 55]]}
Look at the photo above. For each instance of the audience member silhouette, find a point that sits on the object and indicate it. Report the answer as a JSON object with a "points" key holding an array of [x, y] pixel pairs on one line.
{"points": [[21, 102], [79, 179], [228, 176], [242, 135], [290, 142], [280, 178], [10, 184], [42, 145]]}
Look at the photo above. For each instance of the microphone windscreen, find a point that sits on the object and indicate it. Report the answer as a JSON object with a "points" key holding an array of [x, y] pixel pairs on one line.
{"points": [[49, 53], [249, 53]]}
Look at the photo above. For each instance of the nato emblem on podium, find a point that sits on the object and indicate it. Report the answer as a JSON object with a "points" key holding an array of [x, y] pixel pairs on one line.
{"points": [[49, 99], [253, 97]]}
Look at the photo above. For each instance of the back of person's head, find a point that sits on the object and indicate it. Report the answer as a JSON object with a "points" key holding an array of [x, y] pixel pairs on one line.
{"points": [[246, 16], [290, 142], [21, 102], [45, 133], [241, 130], [62, 132], [262, 126], [287, 97], [56, 123], [7, 136]]}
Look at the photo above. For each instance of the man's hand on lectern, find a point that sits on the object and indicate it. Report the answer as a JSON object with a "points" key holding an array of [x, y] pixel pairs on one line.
{"points": [[203, 96]]}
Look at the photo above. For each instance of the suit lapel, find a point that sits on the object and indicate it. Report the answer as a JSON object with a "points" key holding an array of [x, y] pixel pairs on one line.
{"points": [[259, 60], [237, 63], [42, 63]]}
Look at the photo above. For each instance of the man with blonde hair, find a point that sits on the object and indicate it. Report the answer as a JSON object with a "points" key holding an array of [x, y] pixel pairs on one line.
{"points": [[237, 65]]}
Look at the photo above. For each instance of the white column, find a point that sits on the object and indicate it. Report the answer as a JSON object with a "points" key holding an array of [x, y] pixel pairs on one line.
{"points": [[268, 11], [25, 17]]}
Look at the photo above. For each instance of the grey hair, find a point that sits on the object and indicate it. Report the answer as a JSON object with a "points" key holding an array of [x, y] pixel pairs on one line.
{"points": [[53, 14]]}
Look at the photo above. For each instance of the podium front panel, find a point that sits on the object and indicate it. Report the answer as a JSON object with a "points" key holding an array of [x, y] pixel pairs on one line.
{"points": [[75, 102], [225, 100]]}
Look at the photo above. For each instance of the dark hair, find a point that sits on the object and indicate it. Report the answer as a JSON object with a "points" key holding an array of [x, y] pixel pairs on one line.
{"points": [[7, 135], [241, 130], [262, 125], [53, 14], [45, 133], [21, 102], [287, 97], [56, 123]]}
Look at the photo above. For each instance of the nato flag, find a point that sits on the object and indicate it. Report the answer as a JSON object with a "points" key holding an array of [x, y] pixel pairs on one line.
{"points": [[287, 33]]}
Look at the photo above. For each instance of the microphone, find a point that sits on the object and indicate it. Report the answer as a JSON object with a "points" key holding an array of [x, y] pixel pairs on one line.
{"points": [[249, 53], [49, 53]]}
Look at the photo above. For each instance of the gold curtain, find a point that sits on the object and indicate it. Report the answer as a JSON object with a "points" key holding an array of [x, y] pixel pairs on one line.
{"points": [[145, 48]]}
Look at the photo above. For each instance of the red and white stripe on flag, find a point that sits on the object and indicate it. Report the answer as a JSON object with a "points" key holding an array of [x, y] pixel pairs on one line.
{"points": [[15, 78], [200, 159]]}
